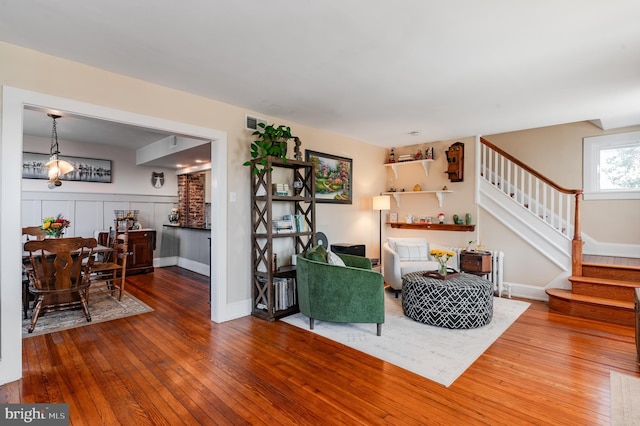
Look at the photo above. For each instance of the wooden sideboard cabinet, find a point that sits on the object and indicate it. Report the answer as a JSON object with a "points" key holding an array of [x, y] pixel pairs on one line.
{"points": [[142, 243]]}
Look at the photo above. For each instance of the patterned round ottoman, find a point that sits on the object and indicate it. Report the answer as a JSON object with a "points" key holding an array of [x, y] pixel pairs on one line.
{"points": [[465, 301]]}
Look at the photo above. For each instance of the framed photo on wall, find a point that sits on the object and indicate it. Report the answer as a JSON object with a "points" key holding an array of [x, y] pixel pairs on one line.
{"points": [[84, 169], [333, 176]]}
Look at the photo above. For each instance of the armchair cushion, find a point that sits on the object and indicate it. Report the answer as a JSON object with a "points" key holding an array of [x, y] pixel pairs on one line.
{"points": [[317, 253], [411, 252], [395, 266], [334, 259]]}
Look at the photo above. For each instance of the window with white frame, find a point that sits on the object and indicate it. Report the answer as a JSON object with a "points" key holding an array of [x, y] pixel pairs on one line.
{"points": [[612, 167]]}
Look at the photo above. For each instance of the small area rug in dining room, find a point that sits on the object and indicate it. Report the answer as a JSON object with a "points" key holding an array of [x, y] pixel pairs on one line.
{"points": [[439, 354], [102, 307]]}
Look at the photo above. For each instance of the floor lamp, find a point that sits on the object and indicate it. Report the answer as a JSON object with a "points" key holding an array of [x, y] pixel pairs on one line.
{"points": [[381, 202]]}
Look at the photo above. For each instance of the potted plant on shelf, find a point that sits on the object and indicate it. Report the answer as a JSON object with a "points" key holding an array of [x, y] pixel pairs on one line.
{"points": [[271, 140]]}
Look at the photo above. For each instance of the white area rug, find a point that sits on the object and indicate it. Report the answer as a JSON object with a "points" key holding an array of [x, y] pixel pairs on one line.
{"points": [[625, 400], [102, 307], [439, 354]]}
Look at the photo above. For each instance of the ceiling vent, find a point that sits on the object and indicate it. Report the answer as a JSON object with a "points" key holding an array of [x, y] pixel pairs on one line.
{"points": [[251, 123]]}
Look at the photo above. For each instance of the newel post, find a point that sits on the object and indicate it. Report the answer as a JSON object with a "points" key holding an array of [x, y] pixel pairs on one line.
{"points": [[576, 243]]}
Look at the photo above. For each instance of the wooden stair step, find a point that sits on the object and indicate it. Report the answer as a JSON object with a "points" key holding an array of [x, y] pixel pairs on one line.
{"points": [[605, 281], [618, 272], [604, 287], [591, 307]]}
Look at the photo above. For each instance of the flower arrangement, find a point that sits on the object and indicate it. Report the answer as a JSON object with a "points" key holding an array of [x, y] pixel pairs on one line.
{"points": [[442, 256], [55, 226]]}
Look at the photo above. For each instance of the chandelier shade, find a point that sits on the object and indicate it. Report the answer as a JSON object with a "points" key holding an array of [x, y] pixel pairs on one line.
{"points": [[56, 166]]}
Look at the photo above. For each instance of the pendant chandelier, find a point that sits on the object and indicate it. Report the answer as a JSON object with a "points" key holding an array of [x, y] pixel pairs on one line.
{"points": [[56, 166]]}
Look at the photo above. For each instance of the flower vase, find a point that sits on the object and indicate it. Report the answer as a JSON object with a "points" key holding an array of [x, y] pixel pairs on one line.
{"points": [[442, 269]]}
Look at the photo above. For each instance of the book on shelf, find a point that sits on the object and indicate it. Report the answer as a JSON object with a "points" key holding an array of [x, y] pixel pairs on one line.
{"points": [[284, 290], [281, 189], [283, 226]]}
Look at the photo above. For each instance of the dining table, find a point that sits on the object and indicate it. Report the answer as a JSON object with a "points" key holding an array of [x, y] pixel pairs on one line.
{"points": [[99, 249]]}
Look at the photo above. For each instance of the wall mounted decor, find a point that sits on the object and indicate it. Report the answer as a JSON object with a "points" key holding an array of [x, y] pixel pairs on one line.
{"points": [[157, 179], [84, 169], [455, 161], [333, 177]]}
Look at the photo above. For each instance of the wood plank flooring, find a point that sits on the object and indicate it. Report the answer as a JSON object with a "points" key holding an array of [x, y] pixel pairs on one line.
{"points": [[173, 366]]}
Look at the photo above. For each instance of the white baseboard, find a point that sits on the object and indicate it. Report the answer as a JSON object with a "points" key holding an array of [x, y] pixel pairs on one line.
{"points": [[611, 249], [197, 267], [160, 262], [237, 310], [526, 291]]}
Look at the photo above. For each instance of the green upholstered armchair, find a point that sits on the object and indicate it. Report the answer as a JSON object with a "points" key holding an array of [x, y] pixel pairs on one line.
{"points": [[351, 293]]}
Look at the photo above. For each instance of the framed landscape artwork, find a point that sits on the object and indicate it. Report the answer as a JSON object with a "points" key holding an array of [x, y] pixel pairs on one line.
{"points": [[333, 177], [84, 169]]}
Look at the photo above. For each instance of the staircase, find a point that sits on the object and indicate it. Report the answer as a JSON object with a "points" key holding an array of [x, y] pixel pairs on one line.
{"points": [[603, 292], [542, 213]]}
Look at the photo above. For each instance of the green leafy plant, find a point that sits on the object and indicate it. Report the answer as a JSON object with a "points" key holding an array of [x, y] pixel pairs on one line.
{"points": [[270, 140]]}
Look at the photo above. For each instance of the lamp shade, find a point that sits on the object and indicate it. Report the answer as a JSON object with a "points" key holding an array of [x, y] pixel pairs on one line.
{"points": [[58, 167], [381, 202]]}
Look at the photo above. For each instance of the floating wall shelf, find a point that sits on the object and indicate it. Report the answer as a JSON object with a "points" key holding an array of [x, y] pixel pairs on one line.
{"points": [[425, 164], [433, 226], [439, 194]]}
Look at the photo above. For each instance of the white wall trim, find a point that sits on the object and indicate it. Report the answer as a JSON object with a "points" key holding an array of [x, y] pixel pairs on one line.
{"points": [[85, 196], [191, 265], [239, 309], [526, 291], [11, 143], [161, 262], [610, 249]]}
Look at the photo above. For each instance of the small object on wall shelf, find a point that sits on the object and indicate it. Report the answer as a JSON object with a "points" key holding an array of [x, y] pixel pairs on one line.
{"points": [[433, 226], [455, 161], [426, 163], [439, 195]]}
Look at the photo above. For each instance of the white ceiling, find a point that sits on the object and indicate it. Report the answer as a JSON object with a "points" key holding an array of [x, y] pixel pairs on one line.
{"points": [[374, 70], [82, 129]]}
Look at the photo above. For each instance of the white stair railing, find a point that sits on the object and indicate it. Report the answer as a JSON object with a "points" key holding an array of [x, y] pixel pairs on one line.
{"points": [[551, 203]]}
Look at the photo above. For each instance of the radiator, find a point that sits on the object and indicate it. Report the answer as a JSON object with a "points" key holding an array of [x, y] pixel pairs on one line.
{"points": [[496, 276]]}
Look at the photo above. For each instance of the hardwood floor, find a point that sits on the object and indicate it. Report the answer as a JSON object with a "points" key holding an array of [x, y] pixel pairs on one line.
{"points": [[173, 366]]}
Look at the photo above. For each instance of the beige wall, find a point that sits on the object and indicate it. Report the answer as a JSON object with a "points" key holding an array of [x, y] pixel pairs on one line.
{"points": [[556, 152], [460, 202], [33, 71]]}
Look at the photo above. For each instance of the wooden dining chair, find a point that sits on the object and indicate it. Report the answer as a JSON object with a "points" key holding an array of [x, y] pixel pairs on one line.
{"points": [[31, 233], [60, 278], [34, 233], [114, 270]]}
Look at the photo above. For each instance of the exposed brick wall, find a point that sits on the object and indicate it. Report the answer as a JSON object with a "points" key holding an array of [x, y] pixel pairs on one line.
{"points": [[191, 200]]}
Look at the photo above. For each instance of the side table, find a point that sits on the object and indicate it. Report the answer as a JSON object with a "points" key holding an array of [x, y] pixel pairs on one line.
{"points": [[475, 262]]}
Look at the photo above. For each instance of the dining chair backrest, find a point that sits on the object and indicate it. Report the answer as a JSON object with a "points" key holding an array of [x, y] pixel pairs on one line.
{"points": [[58, 262], [121, 249], [34, 233]]}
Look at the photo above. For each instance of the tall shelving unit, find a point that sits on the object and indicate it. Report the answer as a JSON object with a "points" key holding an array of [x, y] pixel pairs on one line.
{"points": [[263, 236]]}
